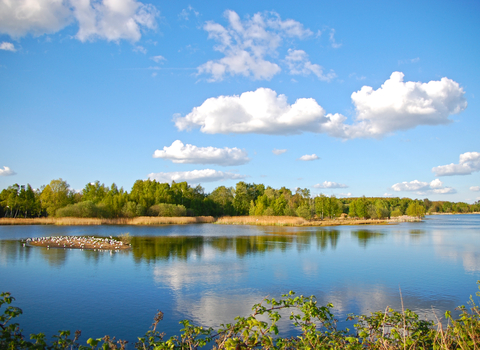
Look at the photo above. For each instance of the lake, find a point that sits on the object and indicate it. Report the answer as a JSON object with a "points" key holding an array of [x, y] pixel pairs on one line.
{"points": [[211, 273]]}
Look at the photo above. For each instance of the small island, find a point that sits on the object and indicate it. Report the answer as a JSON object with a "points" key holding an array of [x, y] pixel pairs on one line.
{"points": [[77, 242]]}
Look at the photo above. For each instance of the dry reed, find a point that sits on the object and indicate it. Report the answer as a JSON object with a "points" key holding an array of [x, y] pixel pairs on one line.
{"points": [[262, 220], [142, 220], [184, 220], [32, 221]]}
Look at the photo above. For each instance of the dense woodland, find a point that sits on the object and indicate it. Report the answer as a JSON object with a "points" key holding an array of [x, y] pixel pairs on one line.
{"points": [[151, 198]]}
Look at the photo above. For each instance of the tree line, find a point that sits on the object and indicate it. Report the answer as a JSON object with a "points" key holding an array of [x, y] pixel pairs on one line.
{"points": [[152, 198]]}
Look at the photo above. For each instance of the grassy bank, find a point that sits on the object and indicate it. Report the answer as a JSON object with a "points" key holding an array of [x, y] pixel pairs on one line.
{"points": [[316, 326], [142, 220]]}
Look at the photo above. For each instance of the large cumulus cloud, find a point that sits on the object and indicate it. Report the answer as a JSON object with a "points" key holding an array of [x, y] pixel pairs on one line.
{"points": [[399, 105], [395, 106]]}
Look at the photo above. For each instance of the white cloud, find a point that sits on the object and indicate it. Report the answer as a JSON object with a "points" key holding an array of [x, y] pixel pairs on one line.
{"points": [[419, 187], [6, 171], [399, 105], [309, 157], [262, 112], [7, 46], [475, 188], [190, 154], [278, 151], [112, 20], [394, 106], [330, 184], [298, 64], [37, 17], [195, 176], [247, 44], [158, 58], [469, 163]]}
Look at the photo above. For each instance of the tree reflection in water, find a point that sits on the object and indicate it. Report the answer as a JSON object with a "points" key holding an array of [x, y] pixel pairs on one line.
{"points": [[150, 249], [154, 248], [327, 236], [366, 236], [416, 234]]}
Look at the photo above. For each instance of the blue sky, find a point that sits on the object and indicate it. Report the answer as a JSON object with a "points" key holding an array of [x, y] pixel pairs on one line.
{"points": [[348, 98]]}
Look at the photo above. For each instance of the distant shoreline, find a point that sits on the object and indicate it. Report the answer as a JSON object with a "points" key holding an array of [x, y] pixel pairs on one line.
{"points": [[475, 212], [226, 220]]}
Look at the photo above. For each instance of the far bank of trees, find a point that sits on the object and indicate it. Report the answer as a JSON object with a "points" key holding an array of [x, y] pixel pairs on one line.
{"points": [[152, 198]]}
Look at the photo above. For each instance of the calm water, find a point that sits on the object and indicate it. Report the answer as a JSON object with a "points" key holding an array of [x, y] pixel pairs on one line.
{"points": [[211, 273]]}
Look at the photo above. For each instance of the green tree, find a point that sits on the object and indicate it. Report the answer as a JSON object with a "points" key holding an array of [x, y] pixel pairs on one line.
{"points": [[56, 195], [94, 192], [322, 205], [280, 205], [416, 209], [244, 194]]}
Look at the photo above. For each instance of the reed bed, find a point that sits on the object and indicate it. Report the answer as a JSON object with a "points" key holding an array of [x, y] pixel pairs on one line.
{"points": [[185, 220], [338, 222], [30, 221], [162, 220], [297, 221], [142, 220], [262, 220]]}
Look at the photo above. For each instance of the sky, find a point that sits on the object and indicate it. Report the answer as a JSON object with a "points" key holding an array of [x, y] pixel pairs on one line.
{"points": [[345, 98]]}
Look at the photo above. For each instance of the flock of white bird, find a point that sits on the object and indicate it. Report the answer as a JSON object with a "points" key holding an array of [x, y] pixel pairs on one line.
{"points": [[78, 242]]}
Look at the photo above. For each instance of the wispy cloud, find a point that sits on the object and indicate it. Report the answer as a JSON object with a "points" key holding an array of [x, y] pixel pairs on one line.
{"points": [[188, 12], [475, 188], [158, 59], [299, 64], [334, 44], [249, 46]]}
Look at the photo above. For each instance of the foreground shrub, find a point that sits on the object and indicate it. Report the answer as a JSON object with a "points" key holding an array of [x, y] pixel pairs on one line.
{"points": [[316, 326]]}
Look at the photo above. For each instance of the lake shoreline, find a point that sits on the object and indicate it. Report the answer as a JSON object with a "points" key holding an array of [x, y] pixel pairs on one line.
{"points": [[226, 220]]}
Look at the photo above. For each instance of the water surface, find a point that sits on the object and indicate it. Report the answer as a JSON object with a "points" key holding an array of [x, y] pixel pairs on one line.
{"points": [[211, 273]]}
